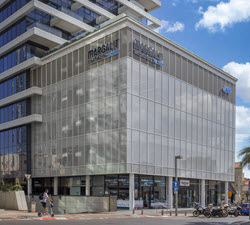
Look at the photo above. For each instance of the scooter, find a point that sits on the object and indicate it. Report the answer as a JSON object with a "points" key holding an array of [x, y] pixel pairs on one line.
{"points": [[199, 210], [40, 214]]}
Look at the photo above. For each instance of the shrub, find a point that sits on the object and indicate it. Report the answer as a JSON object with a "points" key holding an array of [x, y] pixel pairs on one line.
{"points": [[11, 187]]}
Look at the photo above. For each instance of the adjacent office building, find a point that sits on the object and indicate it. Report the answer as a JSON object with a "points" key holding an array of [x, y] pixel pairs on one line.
{"points": [[93, 101]]}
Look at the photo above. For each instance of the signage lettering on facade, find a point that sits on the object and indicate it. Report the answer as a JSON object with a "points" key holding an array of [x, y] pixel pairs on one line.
{"points": [[104, 51], [148, 53], [185, 183], [227, 90]]}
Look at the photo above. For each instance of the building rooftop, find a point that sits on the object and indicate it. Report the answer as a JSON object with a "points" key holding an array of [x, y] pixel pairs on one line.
{"points": [[245, 181], [237, 165]]}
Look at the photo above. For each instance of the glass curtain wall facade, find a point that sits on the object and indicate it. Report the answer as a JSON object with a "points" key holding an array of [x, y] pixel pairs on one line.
{"points": [[14, 85], [124, 115], [20, 55], [14, 152], [14, 111], [178, 109], [85, 114], [11, 8]]}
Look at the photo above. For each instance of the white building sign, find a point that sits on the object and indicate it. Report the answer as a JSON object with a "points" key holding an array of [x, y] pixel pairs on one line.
{"points": [[185, 183]]}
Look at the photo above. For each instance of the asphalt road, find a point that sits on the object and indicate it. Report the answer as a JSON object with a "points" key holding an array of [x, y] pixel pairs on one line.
{"points": [[140, 221]]}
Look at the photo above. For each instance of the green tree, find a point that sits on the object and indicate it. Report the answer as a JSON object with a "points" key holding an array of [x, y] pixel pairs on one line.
{"points": [[245, 154]]}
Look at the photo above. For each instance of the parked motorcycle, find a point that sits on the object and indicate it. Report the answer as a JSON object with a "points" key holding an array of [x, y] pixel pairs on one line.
{"points": [[239, 208], [211, 211], [231, 210], [199, 210]]}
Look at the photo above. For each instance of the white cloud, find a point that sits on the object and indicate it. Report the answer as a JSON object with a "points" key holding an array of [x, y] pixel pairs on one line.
{"points": [[192, 1], [242, 123], [225, 14], [242, 131], [242, 72], [167, 26]]}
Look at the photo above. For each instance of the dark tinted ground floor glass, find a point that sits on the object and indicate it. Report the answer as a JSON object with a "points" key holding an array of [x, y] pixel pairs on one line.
{"points": [[150, 191], [215, 192], [74, 186], [111, 185], [40, 184], [189, 194]]}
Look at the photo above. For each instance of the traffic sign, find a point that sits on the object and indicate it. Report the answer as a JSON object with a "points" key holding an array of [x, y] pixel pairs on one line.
{"points": [[176, 184], [175, 189], [248, 184], [229, 188]]}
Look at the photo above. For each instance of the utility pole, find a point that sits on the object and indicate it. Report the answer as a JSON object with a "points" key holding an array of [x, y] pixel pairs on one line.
{"points": [[27, 176]]}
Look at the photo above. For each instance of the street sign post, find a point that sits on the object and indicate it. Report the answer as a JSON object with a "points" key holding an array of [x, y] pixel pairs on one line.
{"points": [[176, 184]]}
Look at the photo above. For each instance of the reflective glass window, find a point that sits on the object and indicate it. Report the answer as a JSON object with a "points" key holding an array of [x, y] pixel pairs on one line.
{"points": [[14, 111], [14, 85]]}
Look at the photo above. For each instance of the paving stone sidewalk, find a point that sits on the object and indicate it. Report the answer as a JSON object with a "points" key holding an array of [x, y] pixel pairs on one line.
{"points": [[24, 215]]}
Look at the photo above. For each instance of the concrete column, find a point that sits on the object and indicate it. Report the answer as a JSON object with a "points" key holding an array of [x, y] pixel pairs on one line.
{"points": [[55, 185], [226, 192], [131, 191], [87, 189], [170, 192], [203, 192]]}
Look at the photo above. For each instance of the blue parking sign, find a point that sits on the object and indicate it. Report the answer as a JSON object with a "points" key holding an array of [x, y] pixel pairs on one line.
{"points": [[176, 184]]}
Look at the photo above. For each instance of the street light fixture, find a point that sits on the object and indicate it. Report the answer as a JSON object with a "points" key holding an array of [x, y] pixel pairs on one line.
{"points": [[176, 179]]}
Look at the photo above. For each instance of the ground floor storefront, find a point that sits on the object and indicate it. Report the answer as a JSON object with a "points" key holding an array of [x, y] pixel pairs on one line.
{"points": [[137, 191]]}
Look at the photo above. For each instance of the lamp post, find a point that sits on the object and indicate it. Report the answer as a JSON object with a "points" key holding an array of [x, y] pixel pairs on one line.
{"points": [[28, 176], [176, 179]]}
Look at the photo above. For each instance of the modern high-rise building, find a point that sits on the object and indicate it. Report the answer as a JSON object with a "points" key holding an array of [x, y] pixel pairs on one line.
{"points": [[93, 101]]}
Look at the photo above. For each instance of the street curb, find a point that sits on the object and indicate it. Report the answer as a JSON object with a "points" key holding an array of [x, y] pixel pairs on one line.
{"points": [[80, 218]]}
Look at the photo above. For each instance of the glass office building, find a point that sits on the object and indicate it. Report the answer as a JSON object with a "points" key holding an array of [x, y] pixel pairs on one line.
{"points": [[107, 112], [30, 28]]}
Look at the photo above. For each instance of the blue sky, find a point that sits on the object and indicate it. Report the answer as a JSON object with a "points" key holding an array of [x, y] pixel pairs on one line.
{"points": [[218, 31]]}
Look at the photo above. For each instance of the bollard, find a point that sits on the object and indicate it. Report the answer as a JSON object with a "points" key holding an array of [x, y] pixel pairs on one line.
{"points": [[133, 210], [162, 212], [142, 212], [170, 213], [185, 213], [64, 211]]}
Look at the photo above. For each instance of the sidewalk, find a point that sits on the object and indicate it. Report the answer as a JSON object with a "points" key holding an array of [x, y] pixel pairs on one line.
{"points": [[24, 215]]}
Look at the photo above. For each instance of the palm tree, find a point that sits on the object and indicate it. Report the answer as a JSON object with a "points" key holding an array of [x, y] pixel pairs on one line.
{"points": [[245, 154]]}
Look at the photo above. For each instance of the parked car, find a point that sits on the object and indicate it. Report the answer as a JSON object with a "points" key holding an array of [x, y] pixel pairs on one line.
{"points": [[244, 209]]}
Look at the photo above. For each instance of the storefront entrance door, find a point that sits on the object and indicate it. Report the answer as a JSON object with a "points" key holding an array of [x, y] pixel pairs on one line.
{"points": [[147, 191]]}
